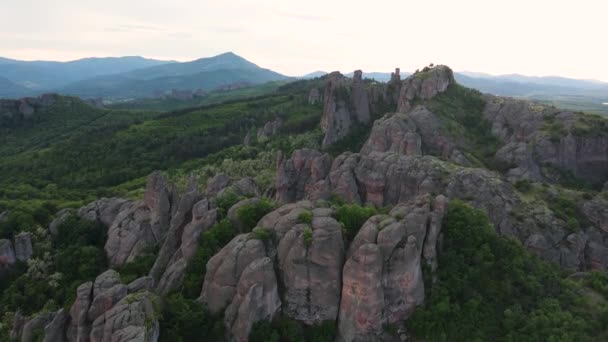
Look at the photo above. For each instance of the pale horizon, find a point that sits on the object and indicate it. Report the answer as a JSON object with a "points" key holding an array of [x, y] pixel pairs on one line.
{"points": [[296, 38]]}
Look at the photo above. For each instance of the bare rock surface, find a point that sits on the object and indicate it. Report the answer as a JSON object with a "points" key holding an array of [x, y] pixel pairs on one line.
{"points": [[383, 280], [424, 85]]}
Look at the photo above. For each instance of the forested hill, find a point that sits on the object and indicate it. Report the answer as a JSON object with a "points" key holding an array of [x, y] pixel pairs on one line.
{"points": [[329, 209]]}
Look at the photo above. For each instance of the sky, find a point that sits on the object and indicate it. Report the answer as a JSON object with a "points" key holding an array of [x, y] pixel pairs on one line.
{"points": [[531, 37]]}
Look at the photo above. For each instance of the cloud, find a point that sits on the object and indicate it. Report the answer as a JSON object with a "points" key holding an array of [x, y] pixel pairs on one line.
{"points": [[142, 28], [225, 29], [306, 17]]}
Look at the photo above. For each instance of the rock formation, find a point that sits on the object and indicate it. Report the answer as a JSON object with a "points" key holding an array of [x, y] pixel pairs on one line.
{"points": [[314, 96], [303, 174], [345, 104], [383, 276], [23, 246], [17, 112], [269, 129], [424, 85], [7, 254], [104, 310]]}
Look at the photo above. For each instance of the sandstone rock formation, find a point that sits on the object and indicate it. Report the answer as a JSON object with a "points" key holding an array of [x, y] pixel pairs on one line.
{"points": [[387, 179], [345, 104], [16, 112], [240, 279], [424, 85], [536, 135], [7, 254], [141, 224], [105, 311], [23, 246], [269, 129], [302, 174], [383, 276], [314, 96]]}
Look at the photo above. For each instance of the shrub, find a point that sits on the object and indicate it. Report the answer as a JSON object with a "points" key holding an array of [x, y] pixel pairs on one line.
{"points": [[138, 267], [353, 216], [307, 236], [261, 234], [489, 288], [210, 242], [185, 320], [225, 202], [305, 217], [249, 215], [523, 185]]}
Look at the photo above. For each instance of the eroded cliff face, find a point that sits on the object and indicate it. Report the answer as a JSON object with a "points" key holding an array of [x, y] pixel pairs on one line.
{"points": [[537, 136]]}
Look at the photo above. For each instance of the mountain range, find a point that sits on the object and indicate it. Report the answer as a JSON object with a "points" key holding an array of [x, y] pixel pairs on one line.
{"points": [[128, 77], [123, 78]]}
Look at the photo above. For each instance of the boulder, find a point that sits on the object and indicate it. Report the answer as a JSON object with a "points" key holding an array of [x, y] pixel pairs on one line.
{"points": [[7, 254], [140, 284], [34, 328], [269, 129], [132, 319], [216, 183], [225, 268], [314, 96], [23, 246], [79, 328], [303, 176], [203, 217], [55, 330], [103, 210], [256, 299]]}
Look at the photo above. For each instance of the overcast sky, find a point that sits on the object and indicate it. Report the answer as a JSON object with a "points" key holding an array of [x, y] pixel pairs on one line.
{"points": [[533, 37]]}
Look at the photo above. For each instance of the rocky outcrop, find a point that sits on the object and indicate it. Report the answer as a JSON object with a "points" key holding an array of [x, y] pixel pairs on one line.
{"points": [[132, 319], [142, 224], [424, 85], [314, 96], [104, 310], [386, 179], [103, 210], [383, 280], [35, 326], [216, 184], [535, 136], [203, 217], [7, 254], [55, 330], [240, 279], [256, 299], [310, 257], [23, 246], [17, 112], [345, 104], [269, 129], [303, 175]]}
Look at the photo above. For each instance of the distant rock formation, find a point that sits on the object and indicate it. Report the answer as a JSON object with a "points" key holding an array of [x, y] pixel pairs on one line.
{"points": [[314, 96], [16, 112]]}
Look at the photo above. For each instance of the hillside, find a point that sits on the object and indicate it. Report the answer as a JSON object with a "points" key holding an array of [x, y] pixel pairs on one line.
{"points": [[9, 89], [329, 209]]}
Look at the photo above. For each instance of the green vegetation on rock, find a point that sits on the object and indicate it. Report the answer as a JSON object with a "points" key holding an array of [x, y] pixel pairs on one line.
{"points": [[490, 289]]}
